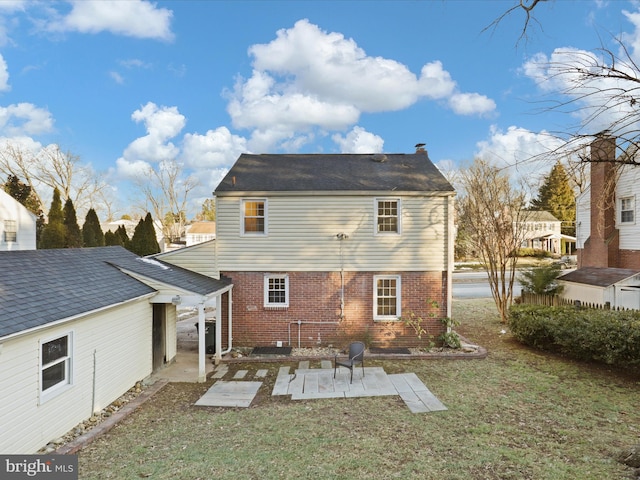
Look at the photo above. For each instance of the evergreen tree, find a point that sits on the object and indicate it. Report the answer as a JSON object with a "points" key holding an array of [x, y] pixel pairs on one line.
{"points": [[53, 233], [73, 235], [144, 240], [124, 237], [112, 239], [92, 235], [557, 197], [25, 195]]}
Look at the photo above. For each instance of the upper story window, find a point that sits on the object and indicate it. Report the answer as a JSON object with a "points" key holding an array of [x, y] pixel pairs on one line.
{"points": [[254, 216], [276, 291], [10, 231], [387, 215], [627, 210], [55, 364], [386, 301]]}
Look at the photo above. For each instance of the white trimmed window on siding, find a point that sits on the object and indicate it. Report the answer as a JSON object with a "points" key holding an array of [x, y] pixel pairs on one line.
{"points": [[254, 216], [386, 297], [55, 365], [388, 216], [627, 210], [10, 231], [276, 291]]}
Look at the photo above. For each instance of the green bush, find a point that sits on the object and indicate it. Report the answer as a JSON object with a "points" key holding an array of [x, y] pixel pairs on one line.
{"points": [[611, 337], [533, 252]]}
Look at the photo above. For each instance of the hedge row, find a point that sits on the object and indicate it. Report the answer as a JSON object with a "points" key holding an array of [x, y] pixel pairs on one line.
{"points": [[607, 336]]}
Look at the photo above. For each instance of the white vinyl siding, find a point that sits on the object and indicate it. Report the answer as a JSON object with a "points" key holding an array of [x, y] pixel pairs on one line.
{"points": [[583, 217], [386, 297], [628, 187], [303, 235], [199, 258], [112, 350]]}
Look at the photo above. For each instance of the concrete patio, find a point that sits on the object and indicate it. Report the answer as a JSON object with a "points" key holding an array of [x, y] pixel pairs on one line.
{"points": [[317, 383]]}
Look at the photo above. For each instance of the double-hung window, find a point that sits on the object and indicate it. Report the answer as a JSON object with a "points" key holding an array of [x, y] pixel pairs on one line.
{"points": [[10, 231], [627, 210], [386, 297], [387, 216], [55, 364], [254, 216], [276, 291]]}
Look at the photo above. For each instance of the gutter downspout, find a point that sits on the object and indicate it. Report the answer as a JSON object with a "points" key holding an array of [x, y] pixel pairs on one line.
{"points": [[202, 371]]}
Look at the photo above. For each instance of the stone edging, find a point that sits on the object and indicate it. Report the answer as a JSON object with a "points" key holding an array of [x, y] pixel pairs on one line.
{"points": [[85, 439]]}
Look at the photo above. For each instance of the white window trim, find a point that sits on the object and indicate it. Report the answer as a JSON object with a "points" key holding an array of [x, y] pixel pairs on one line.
{"points": [[286, 290], [7, 231], [633, 209], [266, 217], [55, 390], [398, 314], [375, 219]]}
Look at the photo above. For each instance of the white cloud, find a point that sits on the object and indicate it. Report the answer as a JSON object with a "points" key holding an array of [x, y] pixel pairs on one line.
{"points": [[471, 104], [24, 119], [162, 124], [132, 169], [4, 75], [216, 149], [116, 77], [309, 82], [133, 18], [358, 140]]}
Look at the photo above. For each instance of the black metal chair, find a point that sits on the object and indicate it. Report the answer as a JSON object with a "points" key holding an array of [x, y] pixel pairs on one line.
{"points": [[356, 356]]}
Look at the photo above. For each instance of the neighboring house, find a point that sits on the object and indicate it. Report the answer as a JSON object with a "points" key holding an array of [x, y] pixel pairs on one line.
{"points": [[78, 328], [17, 225], [199, 232], [542, 231], [607, 231], [326, 248]]}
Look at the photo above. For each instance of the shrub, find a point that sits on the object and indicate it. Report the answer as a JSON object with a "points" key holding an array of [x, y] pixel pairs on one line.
{"points": [[611, 337], [541, 280], [533, 252]]}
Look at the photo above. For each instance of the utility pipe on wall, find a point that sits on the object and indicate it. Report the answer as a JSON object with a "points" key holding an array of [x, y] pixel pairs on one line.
{"points": [[300, 322]]}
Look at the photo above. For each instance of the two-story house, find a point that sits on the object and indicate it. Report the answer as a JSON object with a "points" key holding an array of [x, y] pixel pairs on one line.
{"points": [[17, 225], [542, 231], [326, 248], [607, 232]]}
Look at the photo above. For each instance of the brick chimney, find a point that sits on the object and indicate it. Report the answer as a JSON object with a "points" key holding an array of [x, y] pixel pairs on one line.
{"points": [[601, 249]]}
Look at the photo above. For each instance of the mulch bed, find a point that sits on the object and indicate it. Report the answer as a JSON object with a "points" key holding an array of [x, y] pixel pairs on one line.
{"points": [[397, 350], [271, 351]]}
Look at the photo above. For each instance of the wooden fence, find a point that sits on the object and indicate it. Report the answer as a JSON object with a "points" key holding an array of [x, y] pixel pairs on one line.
{"points": [[557, 301]]}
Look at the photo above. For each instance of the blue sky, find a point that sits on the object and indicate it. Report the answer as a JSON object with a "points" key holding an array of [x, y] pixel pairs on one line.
{"points": [[128, 83]]}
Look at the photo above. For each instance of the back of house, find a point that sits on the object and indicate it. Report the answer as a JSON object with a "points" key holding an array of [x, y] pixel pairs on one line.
{"points": [[327, 248]]}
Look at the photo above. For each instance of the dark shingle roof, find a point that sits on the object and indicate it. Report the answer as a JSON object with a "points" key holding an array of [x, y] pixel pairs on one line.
{"points": [[38, 287], [599, 277], [334, 173]]}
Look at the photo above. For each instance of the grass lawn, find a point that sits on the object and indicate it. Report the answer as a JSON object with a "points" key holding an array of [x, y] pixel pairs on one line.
{"points": [[518, 414]]}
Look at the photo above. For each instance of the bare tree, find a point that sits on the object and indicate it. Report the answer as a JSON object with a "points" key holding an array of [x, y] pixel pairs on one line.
{"points": [[166, 194], [492, 214], [50, 168], [526, 6]]}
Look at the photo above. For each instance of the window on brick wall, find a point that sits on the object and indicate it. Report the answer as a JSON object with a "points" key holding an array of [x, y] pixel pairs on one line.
{"points": [[387, 216], [386, 301], [254, 216], [276, 291], [627, 210]]}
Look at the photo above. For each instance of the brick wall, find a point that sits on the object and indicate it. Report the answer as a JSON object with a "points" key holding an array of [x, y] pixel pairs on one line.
{"points": [[316, 297]]}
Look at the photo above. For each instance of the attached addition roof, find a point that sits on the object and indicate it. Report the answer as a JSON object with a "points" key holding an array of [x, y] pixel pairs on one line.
{"points": [[333, 173], [38, 287], [599, 277]]}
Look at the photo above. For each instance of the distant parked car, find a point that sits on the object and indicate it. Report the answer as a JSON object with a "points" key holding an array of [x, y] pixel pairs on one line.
{"points": [[567, 261]]}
